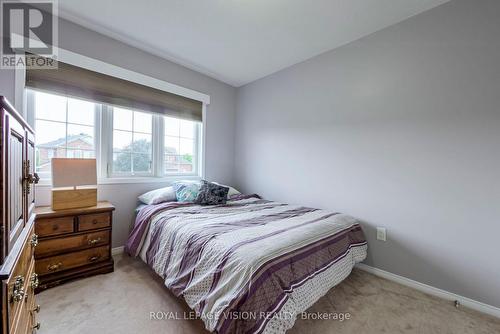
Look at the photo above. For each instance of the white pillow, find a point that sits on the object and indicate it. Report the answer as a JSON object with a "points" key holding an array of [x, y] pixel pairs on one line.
{"points": [[231, 191], [158, 196]]}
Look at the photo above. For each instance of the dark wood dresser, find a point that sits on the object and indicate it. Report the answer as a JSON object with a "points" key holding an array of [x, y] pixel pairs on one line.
{"points": [[73, 243], [17, 239]]}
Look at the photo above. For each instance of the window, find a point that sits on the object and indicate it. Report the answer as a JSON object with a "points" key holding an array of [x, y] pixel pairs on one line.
{"points": [[64, 129], [131, 143], [179, 146]]}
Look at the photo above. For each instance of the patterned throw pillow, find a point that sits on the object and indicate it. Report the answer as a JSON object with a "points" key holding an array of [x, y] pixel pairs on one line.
{"points": [[231, 191], [186, 191], [211, 194]]}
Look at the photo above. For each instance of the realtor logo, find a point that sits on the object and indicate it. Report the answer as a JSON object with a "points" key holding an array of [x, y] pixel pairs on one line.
{"points": [[28, 27]]}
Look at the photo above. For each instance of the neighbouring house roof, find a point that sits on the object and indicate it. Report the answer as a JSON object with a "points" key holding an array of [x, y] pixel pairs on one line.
{"points": [[71, 138], [171, 150]]}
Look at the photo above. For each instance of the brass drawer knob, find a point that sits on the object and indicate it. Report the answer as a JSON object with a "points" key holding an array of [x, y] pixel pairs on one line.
{"points": [[37, 326], [54, 267], [34, 240], [34, 281], [18, 295], [37, 309], [18, 291], [19, 281], [94, 258], [94, 241]]}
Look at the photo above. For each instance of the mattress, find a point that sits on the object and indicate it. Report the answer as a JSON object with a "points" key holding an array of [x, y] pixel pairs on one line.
{"points": [[251, 265]]}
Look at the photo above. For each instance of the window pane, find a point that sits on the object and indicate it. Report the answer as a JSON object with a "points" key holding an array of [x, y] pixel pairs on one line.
{"points": [[81, 112], [49, 106], [185, 168], [44, 154], [179, 145], [136, 141], [171, 163], [64, 128], [142, 163], [187, 129], [122, 119], [51, 134], [79, 153], [122, 140], [186, 146], [171, 145], [142, 122], [171, 126], [87, 154], [178, 164], [80, 136], [122, 162], [142, 143], [186, 163]]}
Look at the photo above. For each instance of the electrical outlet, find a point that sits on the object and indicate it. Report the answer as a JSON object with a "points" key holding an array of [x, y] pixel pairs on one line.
{"points": [[381, 234]]}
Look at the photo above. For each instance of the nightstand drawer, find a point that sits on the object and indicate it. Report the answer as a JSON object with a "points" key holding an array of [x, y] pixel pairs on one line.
{"points": [[71, 243], [71, 260], [92, 222], [54, 226]]}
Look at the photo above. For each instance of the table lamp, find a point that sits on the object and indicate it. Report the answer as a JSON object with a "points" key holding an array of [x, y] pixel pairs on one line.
{"points": [[74, 183]]}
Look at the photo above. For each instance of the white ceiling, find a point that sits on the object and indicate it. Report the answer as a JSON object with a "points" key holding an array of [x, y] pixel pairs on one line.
{"points": [[239, 41]]}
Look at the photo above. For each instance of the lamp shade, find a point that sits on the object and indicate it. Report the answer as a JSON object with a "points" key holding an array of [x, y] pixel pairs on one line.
{"points": [[73, 172]]}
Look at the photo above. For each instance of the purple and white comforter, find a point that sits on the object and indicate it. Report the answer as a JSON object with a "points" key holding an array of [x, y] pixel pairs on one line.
{"points": [[250, 266]]}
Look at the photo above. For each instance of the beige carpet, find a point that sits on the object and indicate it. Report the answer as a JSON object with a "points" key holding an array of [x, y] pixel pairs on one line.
{"points": [[121, 302]]}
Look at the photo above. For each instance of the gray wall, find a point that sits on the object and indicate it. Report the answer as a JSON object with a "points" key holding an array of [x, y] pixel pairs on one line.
{"points": [[7, 84], [220, 113], [400, 129]]}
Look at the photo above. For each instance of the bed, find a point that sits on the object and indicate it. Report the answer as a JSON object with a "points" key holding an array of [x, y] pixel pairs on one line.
{"points": [[251, 265]]}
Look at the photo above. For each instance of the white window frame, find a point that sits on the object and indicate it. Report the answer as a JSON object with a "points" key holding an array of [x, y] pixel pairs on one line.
{"points": [[102, 136], [158, 145], [103, 143]]}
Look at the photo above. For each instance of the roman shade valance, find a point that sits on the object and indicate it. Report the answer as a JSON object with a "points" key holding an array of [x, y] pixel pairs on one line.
{"points": [[79, 82]]}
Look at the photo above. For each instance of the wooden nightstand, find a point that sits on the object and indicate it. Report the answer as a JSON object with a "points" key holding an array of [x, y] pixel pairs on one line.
{"points": [[73, 243]]}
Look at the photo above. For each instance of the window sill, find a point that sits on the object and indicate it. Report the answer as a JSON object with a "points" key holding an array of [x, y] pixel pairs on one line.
{"points": [[132, 180]]}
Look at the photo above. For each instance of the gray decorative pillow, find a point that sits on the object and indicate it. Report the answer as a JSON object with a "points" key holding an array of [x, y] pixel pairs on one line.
{"points": [[211, 194]]}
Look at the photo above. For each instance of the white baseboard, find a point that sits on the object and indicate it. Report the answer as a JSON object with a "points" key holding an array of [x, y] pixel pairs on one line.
{"points": [[117, 250], [467, 302]]}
